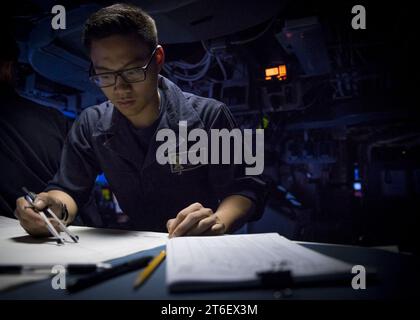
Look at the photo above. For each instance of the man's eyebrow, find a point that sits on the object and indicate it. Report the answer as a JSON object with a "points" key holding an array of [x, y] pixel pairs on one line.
{"points": [[138, 59]]}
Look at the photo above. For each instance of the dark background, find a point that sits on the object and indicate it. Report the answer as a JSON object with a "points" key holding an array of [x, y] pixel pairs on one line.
{"points": [[342, 130]]}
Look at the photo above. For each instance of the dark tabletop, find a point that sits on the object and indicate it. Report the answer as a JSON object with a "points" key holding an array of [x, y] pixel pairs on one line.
{"points": [[395, 278]]}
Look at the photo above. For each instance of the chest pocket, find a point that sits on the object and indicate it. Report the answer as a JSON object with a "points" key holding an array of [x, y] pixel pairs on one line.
{"points": [[177, 177], [176, 167]]}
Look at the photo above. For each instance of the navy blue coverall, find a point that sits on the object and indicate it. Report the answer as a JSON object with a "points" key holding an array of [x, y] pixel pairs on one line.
{"points": [[102, 140]]}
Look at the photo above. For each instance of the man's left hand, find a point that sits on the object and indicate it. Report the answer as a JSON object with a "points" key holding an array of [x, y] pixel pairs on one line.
{"points": [[195, 220]]}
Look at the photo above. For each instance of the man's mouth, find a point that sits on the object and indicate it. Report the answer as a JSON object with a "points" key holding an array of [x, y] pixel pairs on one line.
{"points": [[125, 103]]}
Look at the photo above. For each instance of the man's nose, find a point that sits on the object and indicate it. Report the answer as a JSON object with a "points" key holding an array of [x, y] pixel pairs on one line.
{"points": [[121, 84]]}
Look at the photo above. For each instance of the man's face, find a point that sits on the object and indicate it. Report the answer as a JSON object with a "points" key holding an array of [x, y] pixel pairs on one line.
{"points": [[119, 52]]}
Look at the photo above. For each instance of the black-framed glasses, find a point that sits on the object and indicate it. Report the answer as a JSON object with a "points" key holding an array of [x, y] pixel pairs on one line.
{"points": [[131, 75]]}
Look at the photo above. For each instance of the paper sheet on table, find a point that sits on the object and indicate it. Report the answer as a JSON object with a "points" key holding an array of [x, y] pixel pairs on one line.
{"points": [[233, 259], [95, 245]]}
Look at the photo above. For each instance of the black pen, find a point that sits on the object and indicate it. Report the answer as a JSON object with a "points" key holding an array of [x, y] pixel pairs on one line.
{"points": [[71, 268], [100, 276]]}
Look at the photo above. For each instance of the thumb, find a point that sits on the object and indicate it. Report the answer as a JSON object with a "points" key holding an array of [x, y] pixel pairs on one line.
{"points": [[41, 201]]}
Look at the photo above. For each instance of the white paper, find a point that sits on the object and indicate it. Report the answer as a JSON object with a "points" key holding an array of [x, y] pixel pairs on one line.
{"points": [[95, 245], [238, 258]]}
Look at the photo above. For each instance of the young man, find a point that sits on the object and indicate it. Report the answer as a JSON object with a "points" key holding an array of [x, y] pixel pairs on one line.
{"points": [[118, 138]]}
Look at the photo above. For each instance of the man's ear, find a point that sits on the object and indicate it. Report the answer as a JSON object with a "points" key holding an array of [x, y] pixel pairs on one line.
{"points": [[159, 58]]}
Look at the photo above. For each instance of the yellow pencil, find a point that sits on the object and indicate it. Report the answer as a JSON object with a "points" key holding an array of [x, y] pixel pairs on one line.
{"points": [[152, 266]]}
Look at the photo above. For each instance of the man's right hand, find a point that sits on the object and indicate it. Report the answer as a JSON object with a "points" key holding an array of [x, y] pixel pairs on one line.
{"points": [[31, 221]]}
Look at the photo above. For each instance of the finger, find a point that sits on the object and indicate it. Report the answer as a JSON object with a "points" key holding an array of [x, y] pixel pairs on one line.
{"points": [[215, 230], [29, 216], [42, 201], [218, 228], [26, 214], [35, 225], [38, 230], [20, 203], [202, 226], [169, 224], [183, 214], [190, 221], [29, 219]]}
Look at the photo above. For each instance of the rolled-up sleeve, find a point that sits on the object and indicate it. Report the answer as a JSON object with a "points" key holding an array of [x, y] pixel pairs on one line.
{"points": [[230, 179], [78, 167]]}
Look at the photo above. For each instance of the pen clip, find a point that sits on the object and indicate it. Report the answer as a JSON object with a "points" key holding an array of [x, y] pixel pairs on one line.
{"points": [[30, 194]]}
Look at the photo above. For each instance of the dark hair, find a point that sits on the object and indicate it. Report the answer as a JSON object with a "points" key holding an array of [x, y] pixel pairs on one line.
{"points": [[121, 19]]}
